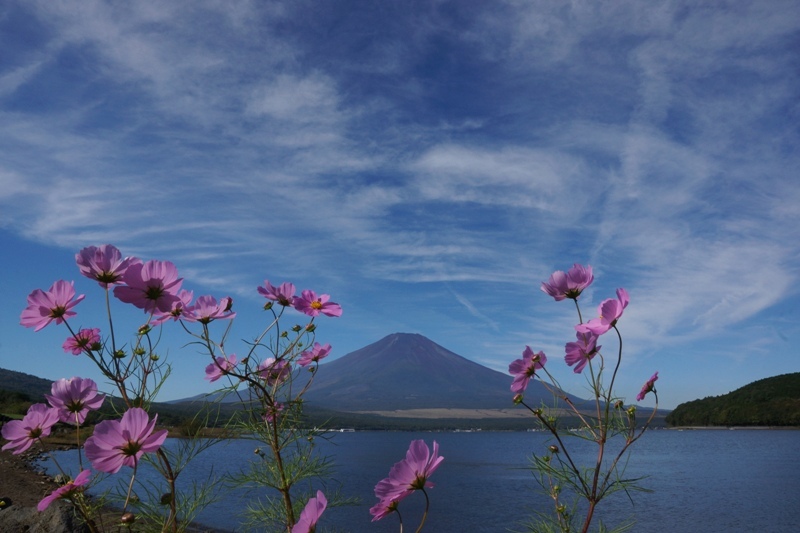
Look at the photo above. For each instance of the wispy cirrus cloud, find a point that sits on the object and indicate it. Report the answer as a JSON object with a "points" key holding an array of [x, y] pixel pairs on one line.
{"points": [[433, 162]]}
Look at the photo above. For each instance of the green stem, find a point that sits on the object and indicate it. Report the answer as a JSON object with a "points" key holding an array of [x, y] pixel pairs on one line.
{"points": [[425, 514], [172, 520], [563, 448], [130, 488]]}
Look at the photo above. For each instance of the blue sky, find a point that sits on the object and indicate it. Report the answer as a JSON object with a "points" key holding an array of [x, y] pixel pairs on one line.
{"points": [[428, 164]]}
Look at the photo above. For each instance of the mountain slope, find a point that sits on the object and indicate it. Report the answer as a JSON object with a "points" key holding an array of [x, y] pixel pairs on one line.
{"points": [[34, 387], [772, 401], [408, 371]]}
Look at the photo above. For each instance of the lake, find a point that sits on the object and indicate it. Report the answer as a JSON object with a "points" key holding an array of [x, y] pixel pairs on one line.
{"points": [[703, 481]]}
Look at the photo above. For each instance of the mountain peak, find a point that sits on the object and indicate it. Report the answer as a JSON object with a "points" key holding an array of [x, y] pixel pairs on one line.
{"points": [[408, 371]]}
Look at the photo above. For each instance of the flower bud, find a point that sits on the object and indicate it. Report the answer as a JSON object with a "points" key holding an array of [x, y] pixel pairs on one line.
{"points": [[311, 327], [144, 330], [618, 404], [267, 306], [553, 448], [631, 410], [128, 518], [518, 399], [154, 357], [284, 334], [96, 347], [296, 328], [139, 351], [120, 354], [166, 498]]}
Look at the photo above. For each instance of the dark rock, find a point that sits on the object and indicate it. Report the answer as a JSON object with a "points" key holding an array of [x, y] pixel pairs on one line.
{"points": [[58, 518]]}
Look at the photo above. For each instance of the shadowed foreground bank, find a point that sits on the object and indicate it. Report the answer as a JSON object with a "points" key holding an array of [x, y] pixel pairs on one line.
{"points": [[22, 487]]}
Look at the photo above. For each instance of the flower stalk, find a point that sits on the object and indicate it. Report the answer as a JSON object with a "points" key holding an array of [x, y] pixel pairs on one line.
{"points": [[594, 483]]}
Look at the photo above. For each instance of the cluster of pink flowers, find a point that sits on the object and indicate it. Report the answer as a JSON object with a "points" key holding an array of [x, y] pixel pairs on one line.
{"points": [[405, 477], [153, 286], [308, 302], [570, 285], [156, 288], [70, 402]]}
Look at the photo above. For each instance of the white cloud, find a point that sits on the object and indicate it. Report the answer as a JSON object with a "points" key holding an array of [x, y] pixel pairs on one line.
{"points": [[513, 176], [419, 148]]}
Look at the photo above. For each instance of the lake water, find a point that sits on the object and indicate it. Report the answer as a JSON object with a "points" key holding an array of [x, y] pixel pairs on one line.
{"points": [[703, 481]]}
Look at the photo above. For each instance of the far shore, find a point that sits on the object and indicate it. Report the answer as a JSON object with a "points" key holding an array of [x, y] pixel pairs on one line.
{"points": [[731, 428]]}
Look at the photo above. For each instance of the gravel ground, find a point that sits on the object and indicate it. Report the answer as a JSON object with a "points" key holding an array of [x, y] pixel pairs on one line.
{"points": [[19, 483]]}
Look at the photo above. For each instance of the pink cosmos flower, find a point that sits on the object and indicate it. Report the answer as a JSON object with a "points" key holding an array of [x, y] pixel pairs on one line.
{"points": [[206, 309], [74, 398], [223, 365], [104, 264], [122, 442], [569, 285], [581, 352], [610, 311], [273, 371], [152, 286], [66, 491], [524, 369], [35, 425], [410, 474], [283, 293], [382, 509], [309, 303], [649, 386], [310, 515], [55, 304], [273, 412], [177, 310], [314, 355], [84, 340]]}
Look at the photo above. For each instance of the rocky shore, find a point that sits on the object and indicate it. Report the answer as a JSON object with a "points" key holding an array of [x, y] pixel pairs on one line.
{"points": [[21, 489]]}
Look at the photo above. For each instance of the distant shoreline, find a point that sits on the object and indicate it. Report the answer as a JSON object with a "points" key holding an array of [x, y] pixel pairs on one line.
{"points": [[732, 428]]}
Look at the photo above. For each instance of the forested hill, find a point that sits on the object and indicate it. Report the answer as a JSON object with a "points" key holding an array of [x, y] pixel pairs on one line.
{"points": [[772, 401]]}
